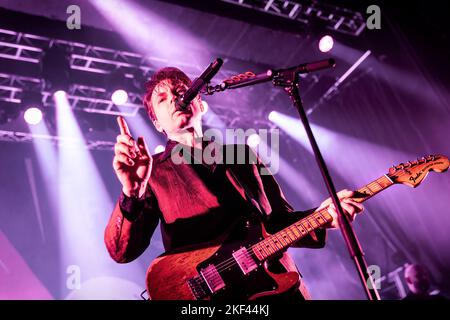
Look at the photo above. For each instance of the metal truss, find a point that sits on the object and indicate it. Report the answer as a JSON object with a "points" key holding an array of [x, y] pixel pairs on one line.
{"points": [[86, 98], [309, 11], [31, 48], [15, 136]]}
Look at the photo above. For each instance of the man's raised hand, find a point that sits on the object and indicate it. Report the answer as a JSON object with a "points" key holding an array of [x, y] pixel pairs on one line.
{"points": [[132, 161]]}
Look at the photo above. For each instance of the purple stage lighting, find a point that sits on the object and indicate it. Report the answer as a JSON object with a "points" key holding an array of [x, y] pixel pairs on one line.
{"points": [[59, 95], [326, 43], [272, 116], [253, 140], [33, 115], [119, 97], [159, 148]]}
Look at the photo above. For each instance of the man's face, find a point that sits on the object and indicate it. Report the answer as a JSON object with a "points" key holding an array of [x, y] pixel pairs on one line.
{"points": [[168, 119], [418, 280]]}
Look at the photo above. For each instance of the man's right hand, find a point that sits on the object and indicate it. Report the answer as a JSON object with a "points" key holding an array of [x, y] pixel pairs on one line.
{"points": [[132, 161]]}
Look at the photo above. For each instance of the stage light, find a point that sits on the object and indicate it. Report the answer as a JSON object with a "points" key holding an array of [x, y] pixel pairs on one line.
{"points": [[118, 84], [60, 94], [159, 148], [293, 127], [31, 104], [326, 43], [253, 140], [133, 21], [272, 115], [79, 224], [119, 97], [33, 115]]}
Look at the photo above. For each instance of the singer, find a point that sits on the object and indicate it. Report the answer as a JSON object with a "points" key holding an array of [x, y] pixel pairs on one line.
{"points": [[197, 203]]}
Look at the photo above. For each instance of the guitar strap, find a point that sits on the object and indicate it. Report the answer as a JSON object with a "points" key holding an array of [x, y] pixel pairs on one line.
{"points": [[286, 261]]}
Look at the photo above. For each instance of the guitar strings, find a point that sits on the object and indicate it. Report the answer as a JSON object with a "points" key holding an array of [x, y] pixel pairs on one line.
{"points": [[232, 261]]}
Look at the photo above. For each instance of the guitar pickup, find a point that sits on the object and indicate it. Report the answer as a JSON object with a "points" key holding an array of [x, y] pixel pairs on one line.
{"points": [[244, 260], [212, 278]]}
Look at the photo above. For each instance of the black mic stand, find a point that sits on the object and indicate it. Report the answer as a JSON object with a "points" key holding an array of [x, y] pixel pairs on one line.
{"points": [[289, 80]]}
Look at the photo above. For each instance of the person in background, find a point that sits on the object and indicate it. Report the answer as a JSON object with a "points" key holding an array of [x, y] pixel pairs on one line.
{"points": [[419, 283]]}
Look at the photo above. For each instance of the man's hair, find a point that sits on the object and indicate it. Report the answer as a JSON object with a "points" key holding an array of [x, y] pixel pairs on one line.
{"points": [[174, 75]]}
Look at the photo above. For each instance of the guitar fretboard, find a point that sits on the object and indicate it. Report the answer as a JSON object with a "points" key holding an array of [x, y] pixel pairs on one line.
{"points": [[372, 188], [283, 239]]}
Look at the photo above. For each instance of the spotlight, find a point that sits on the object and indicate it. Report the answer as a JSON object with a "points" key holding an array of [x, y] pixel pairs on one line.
{"points": [[60, 94], [159, 148], [119, 97], [31, 102], [272, 115], [326, 43], [33, 115], [119, 85], [253, 140]]}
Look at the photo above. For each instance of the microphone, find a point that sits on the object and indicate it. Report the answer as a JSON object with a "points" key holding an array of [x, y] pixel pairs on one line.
{"points": [[182, 103]]}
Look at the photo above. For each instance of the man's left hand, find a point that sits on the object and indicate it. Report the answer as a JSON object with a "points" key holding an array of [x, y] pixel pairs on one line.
{"points": [[350, 207]]}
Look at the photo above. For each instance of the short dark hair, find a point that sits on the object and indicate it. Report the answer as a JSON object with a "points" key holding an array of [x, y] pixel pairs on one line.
{"points": [[174, 75]]}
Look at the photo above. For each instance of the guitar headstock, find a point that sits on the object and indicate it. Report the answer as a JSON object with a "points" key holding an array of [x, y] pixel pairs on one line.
{"points": [[412, 173]]}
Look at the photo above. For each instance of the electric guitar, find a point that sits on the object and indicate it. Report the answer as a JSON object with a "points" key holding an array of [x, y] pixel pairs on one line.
{"points": [[235, 265]]}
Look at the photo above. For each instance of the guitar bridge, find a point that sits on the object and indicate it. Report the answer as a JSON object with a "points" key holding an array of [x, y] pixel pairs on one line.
{"points": [[198, 287]]}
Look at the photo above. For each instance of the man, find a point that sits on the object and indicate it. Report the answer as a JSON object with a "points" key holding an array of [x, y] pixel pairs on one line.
{"points": [[194, 203], [418, 281]]}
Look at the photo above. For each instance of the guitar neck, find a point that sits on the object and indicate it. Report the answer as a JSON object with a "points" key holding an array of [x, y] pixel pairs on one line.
{"points": [[283, 239]]}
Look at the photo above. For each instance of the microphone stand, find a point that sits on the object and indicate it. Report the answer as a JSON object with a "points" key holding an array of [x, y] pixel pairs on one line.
{"points": [[289, 80]]}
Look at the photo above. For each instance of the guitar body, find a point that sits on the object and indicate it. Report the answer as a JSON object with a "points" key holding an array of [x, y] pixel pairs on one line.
{"points": [[176, 275]]}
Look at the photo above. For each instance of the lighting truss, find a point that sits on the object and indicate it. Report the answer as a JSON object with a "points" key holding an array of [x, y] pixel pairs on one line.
{"points": [[86, 98], [16, 136], [31, 48], [309, 12]]}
